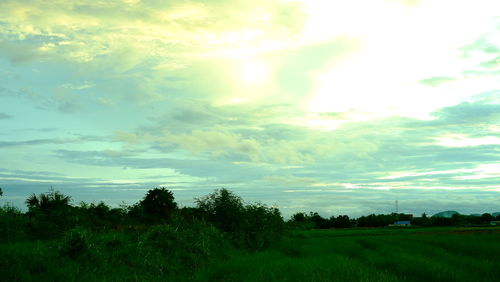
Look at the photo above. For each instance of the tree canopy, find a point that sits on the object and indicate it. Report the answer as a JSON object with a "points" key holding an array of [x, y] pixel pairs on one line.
{"points": [[159, 202]]}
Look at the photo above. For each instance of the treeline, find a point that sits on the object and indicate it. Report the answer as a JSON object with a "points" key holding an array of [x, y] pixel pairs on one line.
{"points": [[313, 220], [50, 215], [152, 238]]}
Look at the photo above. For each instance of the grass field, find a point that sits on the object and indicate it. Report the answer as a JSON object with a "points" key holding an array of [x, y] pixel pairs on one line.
{"points": [[428, 254], [431, 254]]}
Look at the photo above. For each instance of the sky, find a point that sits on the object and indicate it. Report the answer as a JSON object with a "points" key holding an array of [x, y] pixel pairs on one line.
{"points": [[338, 107]]}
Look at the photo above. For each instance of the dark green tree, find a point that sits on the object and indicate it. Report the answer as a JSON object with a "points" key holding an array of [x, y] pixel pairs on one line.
{"points": [[50, 214], [261, 226], [159, 202], [50, 201], [299, 217], [486, 218], [223, 208]]}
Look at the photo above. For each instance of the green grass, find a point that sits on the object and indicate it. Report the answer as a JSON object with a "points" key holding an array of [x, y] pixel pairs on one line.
{"points": [[437, 254], [428, 254]]}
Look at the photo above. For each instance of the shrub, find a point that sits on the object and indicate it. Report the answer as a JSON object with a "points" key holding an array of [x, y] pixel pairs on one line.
{"points": [[50, 214], [222, 208], [262, 225], [159, 202], [252, 226], [172, 247], [12, 224], [75, 243]]}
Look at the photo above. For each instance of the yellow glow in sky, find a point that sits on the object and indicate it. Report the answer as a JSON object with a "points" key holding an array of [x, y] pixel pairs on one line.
{"points": [[254, 72]]}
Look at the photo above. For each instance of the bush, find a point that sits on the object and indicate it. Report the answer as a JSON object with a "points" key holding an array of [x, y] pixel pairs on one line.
{"points": [[50, 214], [12, 224], [75, 244], [262, 225], [159, 202], [170, 248], [222, 208], [252, 226], [99, 216]]}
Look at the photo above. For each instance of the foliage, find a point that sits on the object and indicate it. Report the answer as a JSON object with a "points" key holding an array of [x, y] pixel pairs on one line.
{"points": [[261, 226], [50, 214], [159, 202], [190, 244], [314, 220], [75, 244], [12, 224], [253, 226], [48, 202], [223, 208], [100, 216]]}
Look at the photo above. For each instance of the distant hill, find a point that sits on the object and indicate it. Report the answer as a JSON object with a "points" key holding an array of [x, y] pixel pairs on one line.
{"points": [[475, 214], [495, 214], [446, 214]]}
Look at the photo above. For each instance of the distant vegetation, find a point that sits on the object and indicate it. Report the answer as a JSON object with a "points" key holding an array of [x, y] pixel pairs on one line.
{"points": [[57, 240], [314, 221]]}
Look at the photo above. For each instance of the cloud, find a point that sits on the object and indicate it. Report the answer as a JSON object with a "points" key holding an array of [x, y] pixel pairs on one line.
{"points": [[482, 44], [200, 171], [438, 80], [491, 64], [470, 113], [216, 143], [71, 26], [5, 116], [56, 141]]}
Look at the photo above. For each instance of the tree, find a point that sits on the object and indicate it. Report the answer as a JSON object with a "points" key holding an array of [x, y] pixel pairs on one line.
{"points": [[1, 193], [253, 226], [223, 208], [50, 214], [50, 201], [159, 202], [486, 218], [342, 221], [299, 217], [261, 226]]}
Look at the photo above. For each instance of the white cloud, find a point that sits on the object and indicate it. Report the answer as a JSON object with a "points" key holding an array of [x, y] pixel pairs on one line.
{"points": [[462, 140]]}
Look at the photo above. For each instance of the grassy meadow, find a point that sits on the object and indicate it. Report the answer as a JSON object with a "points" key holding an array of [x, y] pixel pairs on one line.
{"points": [[427, 254], [371, 254]]}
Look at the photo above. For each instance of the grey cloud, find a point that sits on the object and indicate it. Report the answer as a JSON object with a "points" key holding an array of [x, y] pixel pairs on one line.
{"points": [[5, 116], [57, 99], [20, 53], [470, 113], [37, 142], [222, 170], [358, 152]]}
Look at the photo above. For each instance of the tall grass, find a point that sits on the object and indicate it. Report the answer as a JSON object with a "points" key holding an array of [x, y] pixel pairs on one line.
{"points": [[165, 253], [369, 255]]}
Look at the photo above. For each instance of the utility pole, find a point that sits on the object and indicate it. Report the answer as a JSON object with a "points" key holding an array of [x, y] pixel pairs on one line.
{"points": [[397, 207]]}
